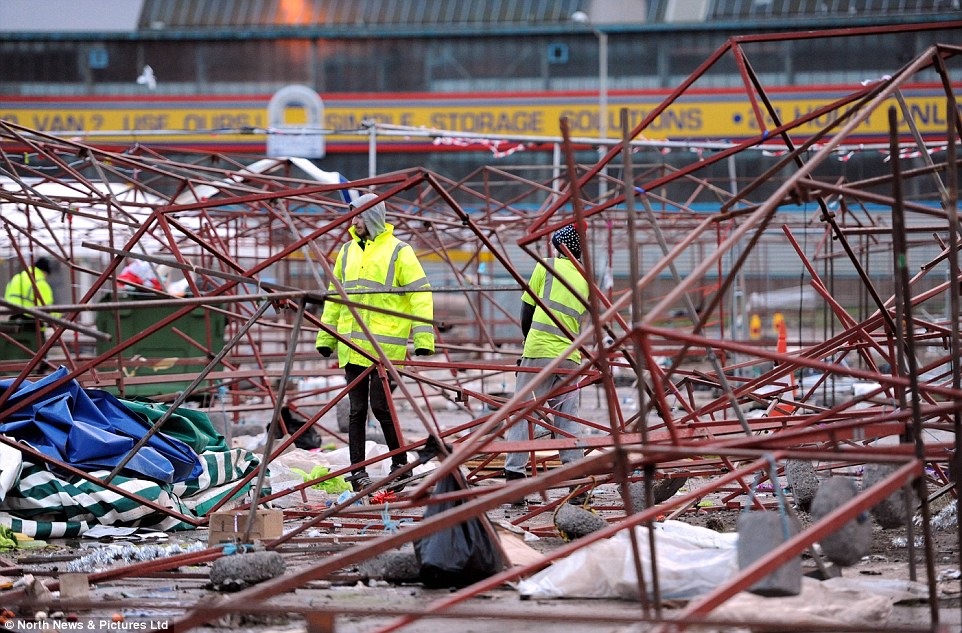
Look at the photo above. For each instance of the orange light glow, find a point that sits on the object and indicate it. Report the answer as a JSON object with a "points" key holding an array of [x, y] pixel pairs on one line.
{"points": [[292, 11]]}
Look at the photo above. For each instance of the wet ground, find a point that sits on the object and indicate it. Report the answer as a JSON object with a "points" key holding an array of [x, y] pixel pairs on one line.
{"points": [[361, 602], [359, 599]]}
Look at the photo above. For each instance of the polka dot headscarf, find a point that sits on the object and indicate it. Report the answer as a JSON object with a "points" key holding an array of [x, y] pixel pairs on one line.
{"points": [[569, 237]]}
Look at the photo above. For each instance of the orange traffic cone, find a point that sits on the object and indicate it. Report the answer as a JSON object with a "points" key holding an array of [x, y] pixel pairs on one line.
{"points": [[782, 408]]}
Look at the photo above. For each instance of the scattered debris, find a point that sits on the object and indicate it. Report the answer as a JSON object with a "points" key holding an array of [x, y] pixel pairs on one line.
{"points": [[238, 211], [36, 590], [115, 555], [902, 542], [946, 519], [231, 526]]}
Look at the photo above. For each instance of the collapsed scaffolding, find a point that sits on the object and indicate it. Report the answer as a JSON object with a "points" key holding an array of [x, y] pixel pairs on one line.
{"points": [[254, 245]]}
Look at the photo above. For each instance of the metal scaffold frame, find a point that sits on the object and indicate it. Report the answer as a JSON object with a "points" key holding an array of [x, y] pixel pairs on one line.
{"points": [[236, 232]]}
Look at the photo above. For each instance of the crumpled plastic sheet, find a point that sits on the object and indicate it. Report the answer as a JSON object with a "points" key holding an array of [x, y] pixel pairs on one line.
{"points": [[115, 555], [946, 519], [691, 560], [841, 602], [12, 466], [902, 542]]}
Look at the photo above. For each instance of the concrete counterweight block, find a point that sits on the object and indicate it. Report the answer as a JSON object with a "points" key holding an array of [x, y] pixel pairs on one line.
{"points": [[233, 573], [662, 490], [758, 534], [853, 540], [802, 482], [396, 565], [573, 522], [890, 512]]}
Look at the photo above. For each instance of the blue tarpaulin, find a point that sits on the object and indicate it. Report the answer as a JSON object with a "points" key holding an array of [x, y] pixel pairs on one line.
{"points": [[93, 430]]}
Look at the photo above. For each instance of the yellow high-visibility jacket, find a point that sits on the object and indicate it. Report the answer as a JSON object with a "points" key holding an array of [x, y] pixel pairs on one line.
{"points": [[545, 339], [20, 289], [384, 263]]}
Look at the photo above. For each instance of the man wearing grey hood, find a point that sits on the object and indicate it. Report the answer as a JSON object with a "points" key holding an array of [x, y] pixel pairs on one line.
{"points": [[374, 259]]}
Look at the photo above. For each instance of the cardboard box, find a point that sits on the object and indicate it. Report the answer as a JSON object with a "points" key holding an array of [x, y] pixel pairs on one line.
{"points": [[228, 527], [74, 586]]}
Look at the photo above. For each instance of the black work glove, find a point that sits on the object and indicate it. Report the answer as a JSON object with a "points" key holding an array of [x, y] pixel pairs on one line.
{"points": [[324, 351], [423, 351]]}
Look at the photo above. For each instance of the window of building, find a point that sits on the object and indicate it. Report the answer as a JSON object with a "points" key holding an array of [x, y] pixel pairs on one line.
{"points": [[32, 62], [273, 62]]}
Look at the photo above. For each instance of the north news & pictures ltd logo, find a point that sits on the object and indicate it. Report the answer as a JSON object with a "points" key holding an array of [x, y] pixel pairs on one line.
{"points": [[86, 624]]}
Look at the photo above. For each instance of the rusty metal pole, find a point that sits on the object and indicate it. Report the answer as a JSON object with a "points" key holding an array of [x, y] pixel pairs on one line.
{"points": [[620, 462], [908, 327], [275, 417], [952, 206]]}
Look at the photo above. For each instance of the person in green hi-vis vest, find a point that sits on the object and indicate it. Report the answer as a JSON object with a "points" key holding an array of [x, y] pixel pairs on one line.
{"points": [[544, 342], [375, 259]]}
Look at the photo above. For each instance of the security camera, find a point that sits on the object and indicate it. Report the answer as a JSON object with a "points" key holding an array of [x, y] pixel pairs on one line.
{"points": [[580, 17]]}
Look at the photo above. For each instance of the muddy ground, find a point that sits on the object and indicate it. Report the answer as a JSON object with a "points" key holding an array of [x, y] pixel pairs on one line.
{"points": [[163, 598], [360, 601]]}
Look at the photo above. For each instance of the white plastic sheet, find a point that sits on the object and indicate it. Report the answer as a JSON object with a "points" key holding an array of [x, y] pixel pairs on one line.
{"points": [[833, 602], [11, 464], [691, 561]]}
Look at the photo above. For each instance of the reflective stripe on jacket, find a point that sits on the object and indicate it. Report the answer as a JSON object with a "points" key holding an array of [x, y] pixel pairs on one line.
{"points": [[384, 262], [20, 289], [545, 339]]}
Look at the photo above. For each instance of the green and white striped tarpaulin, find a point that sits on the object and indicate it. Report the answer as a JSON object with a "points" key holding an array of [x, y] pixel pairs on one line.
{"points": [[45, 505], [43, 502]]}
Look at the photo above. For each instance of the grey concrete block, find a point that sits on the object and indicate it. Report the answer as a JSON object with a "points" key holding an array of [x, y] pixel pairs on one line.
{"points": [[853, 540], [232, 573], [574, 522], [665, 489], [890, 512], [758, 534], [662, 490], [802, 482], [397, 566]]}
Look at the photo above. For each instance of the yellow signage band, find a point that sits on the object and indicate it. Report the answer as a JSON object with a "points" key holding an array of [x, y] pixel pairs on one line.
{"points": [[347, 122]]}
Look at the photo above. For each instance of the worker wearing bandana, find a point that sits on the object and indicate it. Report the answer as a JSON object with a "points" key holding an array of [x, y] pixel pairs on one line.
{"points": [[544, 342]]}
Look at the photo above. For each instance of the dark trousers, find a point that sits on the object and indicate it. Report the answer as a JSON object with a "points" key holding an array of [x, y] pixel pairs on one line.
{"points": [[369, 389]]}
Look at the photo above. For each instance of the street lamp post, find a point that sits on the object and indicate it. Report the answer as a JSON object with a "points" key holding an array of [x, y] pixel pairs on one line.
{"points": [[602, 107], [582, 18]]}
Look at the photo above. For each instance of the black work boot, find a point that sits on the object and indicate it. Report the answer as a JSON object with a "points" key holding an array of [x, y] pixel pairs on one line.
{"points": [[401, 481], [512, 475], [360, 480]]}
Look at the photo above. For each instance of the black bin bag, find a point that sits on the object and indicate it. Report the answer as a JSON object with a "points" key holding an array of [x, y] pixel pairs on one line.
{"points": [[460, 555]]}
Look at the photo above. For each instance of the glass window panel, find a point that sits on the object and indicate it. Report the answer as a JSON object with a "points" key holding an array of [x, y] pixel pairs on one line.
{"points": [[393, 65], [257, 61], [122, 64], [39, 62]]}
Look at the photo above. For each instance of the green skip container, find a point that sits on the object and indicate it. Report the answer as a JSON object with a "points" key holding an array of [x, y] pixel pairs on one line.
{"points": [[24, 332], [163, 352]]}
